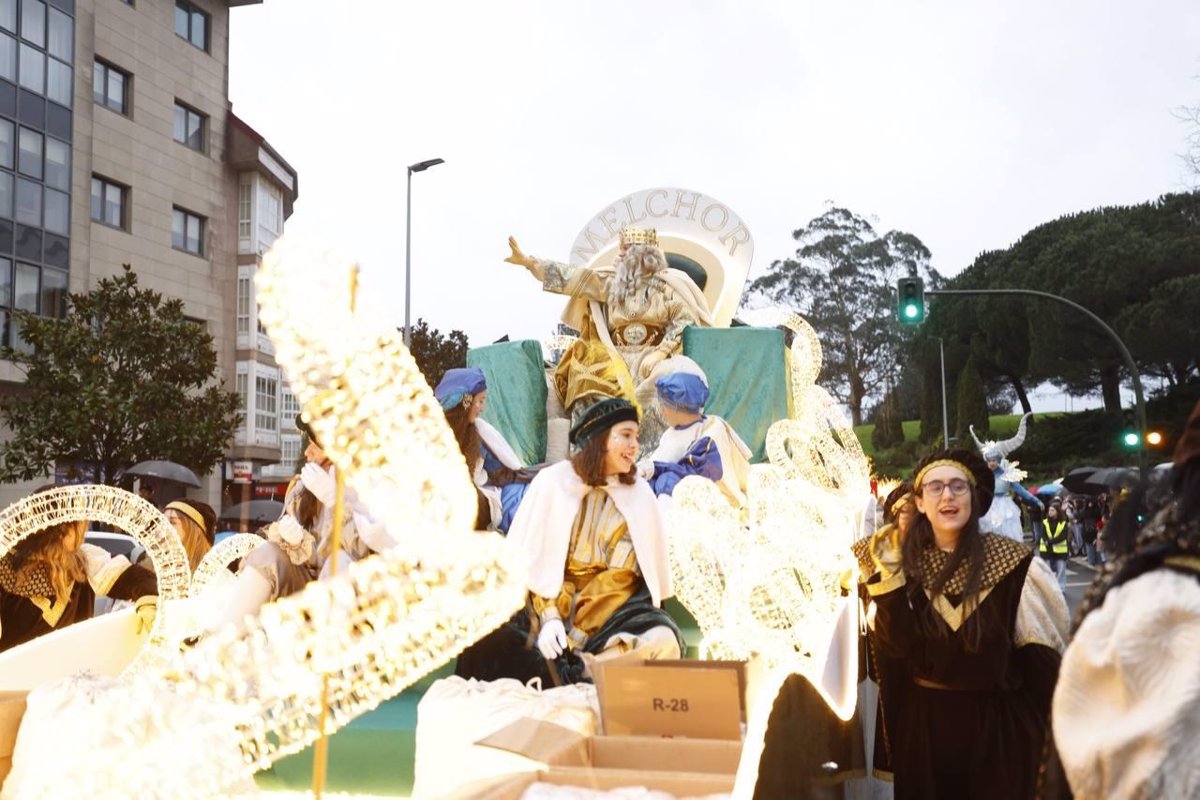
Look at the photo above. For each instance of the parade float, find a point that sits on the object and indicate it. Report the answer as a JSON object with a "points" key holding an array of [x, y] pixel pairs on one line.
{"points": [[763, 581]]}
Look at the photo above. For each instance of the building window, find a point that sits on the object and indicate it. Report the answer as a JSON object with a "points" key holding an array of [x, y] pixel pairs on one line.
{"points": [[61, 44], [58, 164], [187, 231], [33, 69], [243, 305], [241, 386], [290, 408], [270, 214], [57, 218], [289, 451], [245, 193], [7, 131], [33, 22], [29, 153], [8, 57], [266, 392], [8, 15], [110, 87], [54, 293], [189, 127], [109, 201], [192, 24], [29, 203], [6, 195]]}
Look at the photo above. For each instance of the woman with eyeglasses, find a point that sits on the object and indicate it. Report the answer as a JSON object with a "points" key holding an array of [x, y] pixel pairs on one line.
{"points": [[977, 626]]}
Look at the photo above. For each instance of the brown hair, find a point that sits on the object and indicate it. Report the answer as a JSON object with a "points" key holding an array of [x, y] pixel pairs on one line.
{"points": [[194, 539], [969, 549], [48, 548], [466, 434], [589, 462]]}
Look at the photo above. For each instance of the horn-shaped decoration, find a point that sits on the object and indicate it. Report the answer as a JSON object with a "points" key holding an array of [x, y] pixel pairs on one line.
{"points": [[1008, 445], [978, 443]]}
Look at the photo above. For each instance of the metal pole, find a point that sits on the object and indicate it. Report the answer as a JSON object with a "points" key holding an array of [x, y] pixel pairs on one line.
{"points": [[408, 265], [1126, 356], [945, 415]]}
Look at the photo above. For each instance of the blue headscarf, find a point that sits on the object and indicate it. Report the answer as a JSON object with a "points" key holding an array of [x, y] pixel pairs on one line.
{"points": [[683, 391], [458, 383]]}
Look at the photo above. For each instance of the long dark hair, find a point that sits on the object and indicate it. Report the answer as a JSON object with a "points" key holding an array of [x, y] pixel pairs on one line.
{"points": [[589, 462], [466, 434], [969, 550]]}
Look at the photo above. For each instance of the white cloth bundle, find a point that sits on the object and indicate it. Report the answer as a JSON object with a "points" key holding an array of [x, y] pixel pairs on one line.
{"points": [[455, 713]]}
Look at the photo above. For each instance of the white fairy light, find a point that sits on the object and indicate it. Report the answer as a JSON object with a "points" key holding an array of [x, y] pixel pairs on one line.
{"points": [[213, 569], [125, 511], [767, 580], [375, 628]]}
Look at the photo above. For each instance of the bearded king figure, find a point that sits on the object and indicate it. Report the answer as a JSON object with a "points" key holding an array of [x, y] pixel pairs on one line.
{"points": [[630, 318]]}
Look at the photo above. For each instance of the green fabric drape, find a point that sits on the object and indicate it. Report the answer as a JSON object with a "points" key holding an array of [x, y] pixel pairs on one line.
{"points": [[516, 403], [747, 378]]}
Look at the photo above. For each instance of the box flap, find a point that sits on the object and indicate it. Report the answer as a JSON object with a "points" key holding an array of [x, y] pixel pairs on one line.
{"points": [[672, 701], [657, 754], [12, 709], [540, 741]]}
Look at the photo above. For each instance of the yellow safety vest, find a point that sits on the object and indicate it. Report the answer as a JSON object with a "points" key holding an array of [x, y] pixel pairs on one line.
{"points": [[1054, 543]]}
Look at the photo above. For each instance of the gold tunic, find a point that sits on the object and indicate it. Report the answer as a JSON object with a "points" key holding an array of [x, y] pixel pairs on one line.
{"points": [[601, 571], [648, 320]]}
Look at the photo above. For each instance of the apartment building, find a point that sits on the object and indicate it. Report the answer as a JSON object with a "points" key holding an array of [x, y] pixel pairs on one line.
{"points": [[118, 144]]}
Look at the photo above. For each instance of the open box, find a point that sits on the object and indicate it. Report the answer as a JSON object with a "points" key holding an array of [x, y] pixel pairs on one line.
{"points": [[682, 767]]}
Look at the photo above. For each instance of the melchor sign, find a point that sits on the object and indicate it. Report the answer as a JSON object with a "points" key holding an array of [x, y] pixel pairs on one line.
{"points": [[689, 223]]}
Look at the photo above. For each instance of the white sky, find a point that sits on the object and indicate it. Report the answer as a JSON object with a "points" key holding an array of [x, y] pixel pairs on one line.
{"points": [[963, 123]]}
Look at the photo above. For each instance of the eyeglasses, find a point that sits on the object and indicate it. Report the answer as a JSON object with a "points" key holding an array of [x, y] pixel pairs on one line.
{"points": [[958, 487]]}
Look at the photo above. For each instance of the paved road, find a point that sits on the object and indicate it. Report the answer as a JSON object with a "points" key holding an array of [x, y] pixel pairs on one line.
{"points": [[1079, 578]]}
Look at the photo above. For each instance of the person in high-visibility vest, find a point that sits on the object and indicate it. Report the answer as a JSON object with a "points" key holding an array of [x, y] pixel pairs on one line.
{"points": [[1053, 544]]}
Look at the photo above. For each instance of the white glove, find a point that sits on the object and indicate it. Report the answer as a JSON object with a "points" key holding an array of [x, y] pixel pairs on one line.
{"points": [[321, 483], [290, 531], [552, 639]]}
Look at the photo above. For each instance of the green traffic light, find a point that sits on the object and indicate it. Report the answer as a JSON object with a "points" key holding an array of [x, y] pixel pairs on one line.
{"points": [[1131, 439], [911, 311]]}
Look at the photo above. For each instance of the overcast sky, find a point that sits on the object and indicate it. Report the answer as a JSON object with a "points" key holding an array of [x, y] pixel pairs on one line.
{"points": [[963, 123]]}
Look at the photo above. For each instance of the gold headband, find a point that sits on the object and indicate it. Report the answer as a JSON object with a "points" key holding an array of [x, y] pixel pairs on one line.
{"points": [[943, 462], [187, 511], [901, 500]]}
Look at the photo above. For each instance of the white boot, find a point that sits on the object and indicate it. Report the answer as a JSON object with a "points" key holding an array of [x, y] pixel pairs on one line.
{"points": [[248, 593]]}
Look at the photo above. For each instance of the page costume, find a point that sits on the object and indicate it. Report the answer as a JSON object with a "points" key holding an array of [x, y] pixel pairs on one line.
{"points": [[708, 447], [963, 721], [594, 557], [499, 474], [29, 606]]}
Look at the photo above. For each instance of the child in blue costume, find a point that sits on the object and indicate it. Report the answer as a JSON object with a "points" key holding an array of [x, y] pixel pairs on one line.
{"points": [[695, 443]]}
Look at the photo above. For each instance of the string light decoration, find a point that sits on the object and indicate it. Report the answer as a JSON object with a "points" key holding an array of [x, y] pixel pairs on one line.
{"points": [[387, 620], [766, 579], [213, 569], [125, 511]]}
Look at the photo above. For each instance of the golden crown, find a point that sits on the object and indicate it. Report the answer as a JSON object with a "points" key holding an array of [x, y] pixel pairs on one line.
{"points": [[632, 236]]}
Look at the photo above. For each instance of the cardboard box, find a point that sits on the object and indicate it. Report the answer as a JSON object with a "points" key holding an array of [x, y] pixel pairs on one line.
{"points": [[695, 699], [678, 784], [12, 709], [684, 767]]}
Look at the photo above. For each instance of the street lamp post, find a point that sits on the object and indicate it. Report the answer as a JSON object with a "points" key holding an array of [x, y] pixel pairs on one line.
{"points": [[420, 166]]}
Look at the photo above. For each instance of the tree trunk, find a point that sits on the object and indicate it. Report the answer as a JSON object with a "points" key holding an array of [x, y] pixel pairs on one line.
{"points": [[857, 390], [1110, 388], [1019, 388]]}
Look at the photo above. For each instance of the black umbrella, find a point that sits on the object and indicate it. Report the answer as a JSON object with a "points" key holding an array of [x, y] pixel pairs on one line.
{"points": [[1076, 480], [258, 512], [1114, 478], [165, 471]]}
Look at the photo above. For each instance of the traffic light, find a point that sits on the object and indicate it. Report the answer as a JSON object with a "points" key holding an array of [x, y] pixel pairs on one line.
{"points": [[1155, 438], [1131, 439], [910, 300]]}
